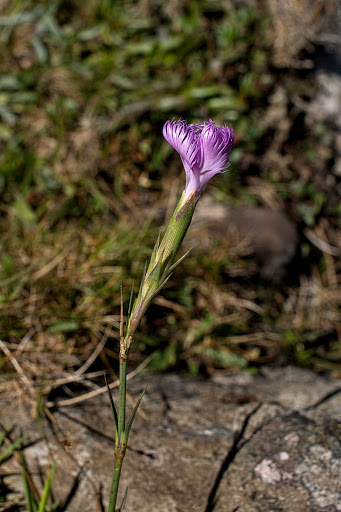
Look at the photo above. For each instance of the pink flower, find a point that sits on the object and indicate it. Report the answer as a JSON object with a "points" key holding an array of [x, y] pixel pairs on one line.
{"points": [[204, 150]]}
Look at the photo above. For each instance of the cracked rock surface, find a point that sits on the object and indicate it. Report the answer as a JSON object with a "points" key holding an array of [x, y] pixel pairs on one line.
{"points": [[238, 443]]}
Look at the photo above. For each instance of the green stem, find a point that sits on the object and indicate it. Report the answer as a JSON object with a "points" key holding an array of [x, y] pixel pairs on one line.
{"points": [[114, 485], [122, 398], [119, 445]]}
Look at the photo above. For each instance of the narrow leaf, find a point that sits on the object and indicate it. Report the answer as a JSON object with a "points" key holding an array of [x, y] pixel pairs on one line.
{"points": [[131, 298], [2, 437], [143, 275], [160, 287], [124, 500], [173, 267], [121, 315], [47, 488], [141, 285], [10, 449], [30, 501], [113, 409], [131, 419], [153, 256]]}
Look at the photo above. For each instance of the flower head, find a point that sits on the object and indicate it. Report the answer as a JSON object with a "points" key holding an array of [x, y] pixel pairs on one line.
{"points": [[204, 150]]}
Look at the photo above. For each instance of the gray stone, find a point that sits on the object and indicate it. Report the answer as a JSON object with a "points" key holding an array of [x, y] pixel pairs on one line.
{"points": [[291, 463], [261, 232], [239, 442]]}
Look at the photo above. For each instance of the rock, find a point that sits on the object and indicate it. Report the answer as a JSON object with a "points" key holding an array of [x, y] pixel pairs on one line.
{"points": [[326, 108], [296, 25], [239, 442], [267, 234], [287, 466]]}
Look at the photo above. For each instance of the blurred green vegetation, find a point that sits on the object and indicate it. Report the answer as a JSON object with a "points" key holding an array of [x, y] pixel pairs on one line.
{"points": [[35, 502], [86, 179]]}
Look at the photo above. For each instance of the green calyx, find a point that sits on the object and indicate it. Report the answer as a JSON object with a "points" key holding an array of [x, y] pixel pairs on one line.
{"points": [[162, 262], [176, 230]]}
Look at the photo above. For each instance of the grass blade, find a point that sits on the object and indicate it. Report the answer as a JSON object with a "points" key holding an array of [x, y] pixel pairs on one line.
{"points": [[2, 437], [47, 488], [10, 449], [30, 499]]}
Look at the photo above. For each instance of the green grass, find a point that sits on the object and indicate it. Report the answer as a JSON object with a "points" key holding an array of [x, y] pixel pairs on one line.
{"points": [[35, 501], [85, 176]]}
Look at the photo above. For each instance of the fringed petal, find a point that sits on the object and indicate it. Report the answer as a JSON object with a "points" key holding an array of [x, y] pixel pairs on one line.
{"points": [[204, 150], [183, 138]]}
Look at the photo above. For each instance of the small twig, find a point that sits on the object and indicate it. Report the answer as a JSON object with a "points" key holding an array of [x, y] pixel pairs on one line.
{"points": [[328, 38], [323, 245], [25, 340], [96, 392], [73, 378], [95, 353], [16, 365], [9, 505], [49, 266]]}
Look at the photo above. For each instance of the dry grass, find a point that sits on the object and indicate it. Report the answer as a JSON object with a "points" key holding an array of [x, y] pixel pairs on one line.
{"points": [[86, 182]]}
